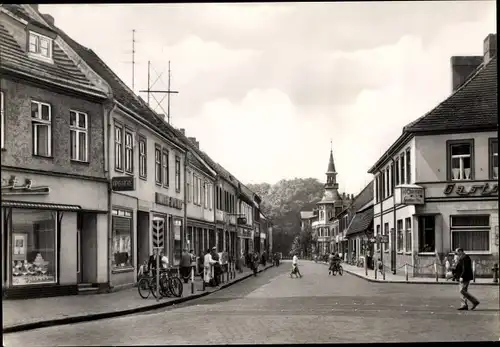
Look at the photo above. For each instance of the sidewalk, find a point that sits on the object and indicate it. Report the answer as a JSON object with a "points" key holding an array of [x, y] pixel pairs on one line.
{"points": [[401, 278], [19, 315]]}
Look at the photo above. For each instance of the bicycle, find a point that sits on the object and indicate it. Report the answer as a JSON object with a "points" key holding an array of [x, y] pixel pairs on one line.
{"points": [[337, 268], [169, 285]]}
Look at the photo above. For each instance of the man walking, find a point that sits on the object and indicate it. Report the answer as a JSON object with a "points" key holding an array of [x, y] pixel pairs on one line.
{"points": [[295, 266], [463, 272], [185, 265]]}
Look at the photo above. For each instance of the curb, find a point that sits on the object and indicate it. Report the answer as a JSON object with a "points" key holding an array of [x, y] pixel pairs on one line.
{"points": [[113, 314], [414, 282]]}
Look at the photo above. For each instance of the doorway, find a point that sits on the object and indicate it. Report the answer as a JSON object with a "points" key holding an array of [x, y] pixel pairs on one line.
{"points": [[86, 248]]}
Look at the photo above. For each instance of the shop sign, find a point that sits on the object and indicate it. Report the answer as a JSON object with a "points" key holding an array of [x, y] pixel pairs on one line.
{"points": [[380, 238], [12, 186], [474, 189], [123, 184], [244, 233], [412, 196], [169, 201]]}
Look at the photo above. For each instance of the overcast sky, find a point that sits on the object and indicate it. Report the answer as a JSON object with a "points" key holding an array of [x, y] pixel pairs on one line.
{"points": [[265, 87]]}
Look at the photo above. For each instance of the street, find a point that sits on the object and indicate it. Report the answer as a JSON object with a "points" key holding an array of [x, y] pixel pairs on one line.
{"points": [[274, 308]]}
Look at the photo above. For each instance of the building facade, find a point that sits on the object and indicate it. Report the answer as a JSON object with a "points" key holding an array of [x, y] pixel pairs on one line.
{"points": [[436, 188], [245, 210], [54, 186]]}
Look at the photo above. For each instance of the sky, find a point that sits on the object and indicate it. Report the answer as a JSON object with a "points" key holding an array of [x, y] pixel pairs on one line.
{"points": [[265, 87]]}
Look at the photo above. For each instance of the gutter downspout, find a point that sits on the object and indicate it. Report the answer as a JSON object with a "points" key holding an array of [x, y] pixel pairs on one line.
{"points": [[381, 193], [183, 234], [216, 186], [110, 191], [394, 239]]}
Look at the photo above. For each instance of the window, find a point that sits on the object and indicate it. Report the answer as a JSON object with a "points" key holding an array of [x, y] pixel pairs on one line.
{"points": [[158, 164], [143, 159], [377, 232], [426, 234], [164, 163], [177, 241], [195, 186], [399, 236], [122, 239], [392, 179], [40, 45], [408, 167], [199, 190], [2, 121], [41, 119], [118, 147], [396, 173], [177, 174], [205, 194], [210, 197], [33, 247], [408, 246], [129, 151], [460, 160], [402, 167], [493, 158], [377, 188], [78, 125], [386, 232], [188, 186], [472, 233]]}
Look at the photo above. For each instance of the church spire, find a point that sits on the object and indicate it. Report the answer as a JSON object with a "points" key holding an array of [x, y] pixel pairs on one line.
{"points": [[331, 164], [331, 193]]}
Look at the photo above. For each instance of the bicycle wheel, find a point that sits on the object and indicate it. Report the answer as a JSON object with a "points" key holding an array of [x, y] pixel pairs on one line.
{"points": [[143, 288], [176, 287], [164, 287], [341, 270], [152, 286]]}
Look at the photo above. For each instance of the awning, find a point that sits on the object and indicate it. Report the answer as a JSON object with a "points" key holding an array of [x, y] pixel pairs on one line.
{"points": [[40, 206], [361, 222]]}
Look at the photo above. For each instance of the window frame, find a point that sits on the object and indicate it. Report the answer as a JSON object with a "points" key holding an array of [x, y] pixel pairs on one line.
{"points": [[402, 167], [396, 171], [449, 145], [2, 120], [386, 231], [38, 121], [128, 151], [188, 185], [491, 154], [458, 228], [408, 231], [119, 159], [79, 130], [177, 173], [422, 230], [158, 165], [143, 156], [165, 168], [123, 214], [408, 165], [38, 52], [399, 232]]}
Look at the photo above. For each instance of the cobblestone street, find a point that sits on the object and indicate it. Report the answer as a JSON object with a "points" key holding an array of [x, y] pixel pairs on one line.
{"points": [[273, 308]]}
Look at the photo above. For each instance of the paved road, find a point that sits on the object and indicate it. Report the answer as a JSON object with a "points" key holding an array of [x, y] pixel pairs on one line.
{"points": [[273, 308]]}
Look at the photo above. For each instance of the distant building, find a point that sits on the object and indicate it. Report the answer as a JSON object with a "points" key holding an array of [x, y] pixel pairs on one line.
{"points": [[330, 205], [436, 187]]}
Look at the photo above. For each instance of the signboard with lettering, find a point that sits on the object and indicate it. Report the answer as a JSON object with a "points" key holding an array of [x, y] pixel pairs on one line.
{"points": [[380, 238], [12, 186], [413, 195], [245, 233], [169, 201], [123, 184], [479, 189]]}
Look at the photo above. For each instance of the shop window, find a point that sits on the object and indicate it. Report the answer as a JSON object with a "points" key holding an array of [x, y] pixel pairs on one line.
{"points": [[408, 246], [143, 161], [177, 241], [33, 247], [122, 239], [472, 233], [493, 159], [386, 232], [426, 234], [41, 119], [460, 160], [400, 235]]}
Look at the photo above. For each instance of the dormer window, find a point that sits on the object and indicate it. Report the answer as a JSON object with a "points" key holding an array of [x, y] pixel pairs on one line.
{"points": [[40, 46]]}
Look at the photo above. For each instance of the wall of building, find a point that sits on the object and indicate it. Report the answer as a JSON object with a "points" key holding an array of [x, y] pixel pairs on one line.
{"points": [[431, 152], [199, 211], [19, 152], [68, 263]]}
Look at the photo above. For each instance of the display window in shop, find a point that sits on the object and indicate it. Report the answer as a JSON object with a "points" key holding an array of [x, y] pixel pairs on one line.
{"points": [[122, 239], [177, 241], [33, 246]]}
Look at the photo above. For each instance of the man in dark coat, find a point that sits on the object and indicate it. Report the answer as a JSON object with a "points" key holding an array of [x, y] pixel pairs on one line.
{"points": [[185, 268], [217, 266], [463, 272]]}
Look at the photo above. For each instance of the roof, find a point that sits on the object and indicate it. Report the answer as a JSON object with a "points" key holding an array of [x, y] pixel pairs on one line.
{"points": [[306, 214], [20, 11], [62, 72], [121, 92], [361, 221], [331, 164], [473, 105], [360, 200]]}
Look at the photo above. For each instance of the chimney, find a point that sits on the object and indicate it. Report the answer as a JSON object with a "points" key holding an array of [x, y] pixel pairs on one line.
{"points": [[48, 18], [194, 142], [490, 47], [183, 131], [343, 196], [462, 67], [162, 116], [198, 144]]}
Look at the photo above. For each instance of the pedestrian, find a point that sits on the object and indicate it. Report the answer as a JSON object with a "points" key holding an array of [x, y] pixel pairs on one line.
{"points": [[185, 265], [208, 268], [463, 272], [295, 266], [216, 267]]}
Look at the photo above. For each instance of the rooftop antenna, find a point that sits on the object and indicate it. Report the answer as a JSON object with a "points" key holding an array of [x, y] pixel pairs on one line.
{"points": [[133, 59], [167, 92]]}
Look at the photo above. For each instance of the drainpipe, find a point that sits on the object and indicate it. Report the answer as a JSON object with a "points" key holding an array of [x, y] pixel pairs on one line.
{"points": [[110, 191], [394, 239], [183, 234], [216, 186], [381, 222]]}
